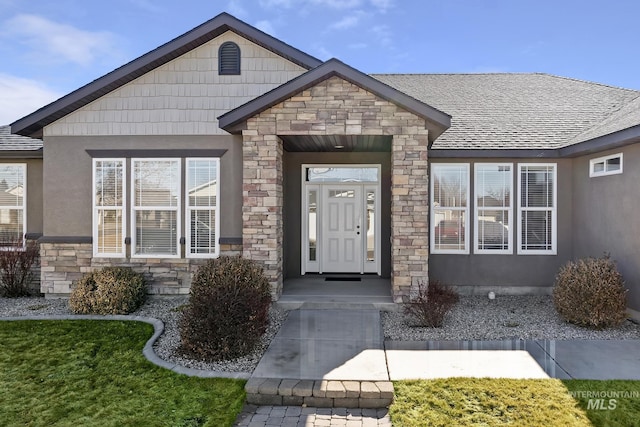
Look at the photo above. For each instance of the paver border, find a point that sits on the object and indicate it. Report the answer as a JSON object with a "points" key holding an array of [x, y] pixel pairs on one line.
{"points": [[147, 351]]}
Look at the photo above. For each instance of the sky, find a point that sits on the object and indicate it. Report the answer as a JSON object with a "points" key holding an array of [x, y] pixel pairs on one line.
{"points": [[48, 48]]}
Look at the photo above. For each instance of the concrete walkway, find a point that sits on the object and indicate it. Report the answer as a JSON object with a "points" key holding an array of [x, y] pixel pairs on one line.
{"points": [[347, 345]]}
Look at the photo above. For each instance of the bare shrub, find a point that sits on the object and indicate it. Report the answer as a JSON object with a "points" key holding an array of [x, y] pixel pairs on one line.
{"points": [[16, 262], [430, 306]]}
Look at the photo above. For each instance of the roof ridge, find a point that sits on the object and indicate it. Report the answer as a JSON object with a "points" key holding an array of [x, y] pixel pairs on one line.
{"points": [[592, 83], [454, 74]]}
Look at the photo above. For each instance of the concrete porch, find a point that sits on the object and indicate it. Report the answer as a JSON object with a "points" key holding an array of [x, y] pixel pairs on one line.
{"points": [[338, 291]]}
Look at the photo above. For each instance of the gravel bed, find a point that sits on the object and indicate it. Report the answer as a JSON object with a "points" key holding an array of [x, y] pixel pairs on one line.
{"points": [[506, 317], [167, 309]]}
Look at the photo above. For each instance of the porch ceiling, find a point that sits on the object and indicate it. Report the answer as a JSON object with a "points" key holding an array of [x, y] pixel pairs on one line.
{"points": [[328, 143]]}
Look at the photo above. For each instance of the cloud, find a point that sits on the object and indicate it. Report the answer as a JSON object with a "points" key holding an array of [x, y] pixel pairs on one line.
{"points": [[236, 9], [54, 42], [345, 23], [357, 46], [338, 4], [148, 5], [382, 5], [21, 97], [266, 26], [269, 4], [323, 53], [383, 35]]}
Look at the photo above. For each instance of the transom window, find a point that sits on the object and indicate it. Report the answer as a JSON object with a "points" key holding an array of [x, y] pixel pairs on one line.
{"points": [[156, 207], [493, 190], [608, 165], [450, 208], [13, 196], [537, 209]]}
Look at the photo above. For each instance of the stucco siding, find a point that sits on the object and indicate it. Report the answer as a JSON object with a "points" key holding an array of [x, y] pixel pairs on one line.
{"points": [[68, 178], [510, 272], [183, 97], [607, 216]]}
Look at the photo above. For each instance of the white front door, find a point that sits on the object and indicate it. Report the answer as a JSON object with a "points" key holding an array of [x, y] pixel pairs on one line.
{"points": [[342, 228]]}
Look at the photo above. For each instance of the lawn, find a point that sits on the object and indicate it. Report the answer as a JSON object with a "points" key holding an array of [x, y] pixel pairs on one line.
{"points": [[511, 402], [92, 372]]}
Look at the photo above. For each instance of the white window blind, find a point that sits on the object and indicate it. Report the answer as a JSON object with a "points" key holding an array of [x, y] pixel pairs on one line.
{"points": [[450, 205], [493, 192], [202, 213], [537, 209], [12, 203], [108, 213], [156, 207]]}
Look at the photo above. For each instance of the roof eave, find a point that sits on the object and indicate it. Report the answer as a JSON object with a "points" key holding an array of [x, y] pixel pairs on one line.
{"points": [[610, 141], [437, 121], [33, 123]]}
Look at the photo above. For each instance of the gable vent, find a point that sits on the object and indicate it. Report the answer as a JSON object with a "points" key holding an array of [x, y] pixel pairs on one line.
{"points": [[229, 59]]}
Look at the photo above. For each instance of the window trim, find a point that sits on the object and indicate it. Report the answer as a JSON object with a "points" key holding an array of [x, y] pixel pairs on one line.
{"points": [[178, 209], [123, 208], [188, 209], [604, 159], [228, 71], [433, 210], [23, 166], [476, 210], [554, 212]]}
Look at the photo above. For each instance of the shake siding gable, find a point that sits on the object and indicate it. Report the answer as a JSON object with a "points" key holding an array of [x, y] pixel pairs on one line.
{"points": [[182, 97]]}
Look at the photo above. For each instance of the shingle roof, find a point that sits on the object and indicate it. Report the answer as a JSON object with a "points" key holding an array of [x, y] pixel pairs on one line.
{"points": [[13, 142], [520, 111]]}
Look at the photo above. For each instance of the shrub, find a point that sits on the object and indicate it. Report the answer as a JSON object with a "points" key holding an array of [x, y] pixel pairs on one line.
{"points": [[431, 305], [111, 290], [228, 309], [590, 292], [16, 262]]}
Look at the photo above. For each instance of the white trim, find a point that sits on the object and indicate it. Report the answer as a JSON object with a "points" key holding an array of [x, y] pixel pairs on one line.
{"points": [[188, 209], [122, 208], [433, 211], [177, 208], [554, 211], [509, 210], [316, 266], [22, 207], [605, 172]]}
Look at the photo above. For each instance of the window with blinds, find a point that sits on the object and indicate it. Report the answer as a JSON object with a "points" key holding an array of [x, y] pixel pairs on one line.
{"points": [[493, 190], [537, 209], [12, 204], [108, 212], [229, 59], [202, 206], [450, 208], [155, 207]]}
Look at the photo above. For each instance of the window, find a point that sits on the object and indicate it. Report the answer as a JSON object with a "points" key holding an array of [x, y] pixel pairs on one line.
{"points": [[108, 207], [229, 59], [537, 208], [608, 165], [202, 207], [13, 196], [155, 207], [450, 204], [493, 190]]}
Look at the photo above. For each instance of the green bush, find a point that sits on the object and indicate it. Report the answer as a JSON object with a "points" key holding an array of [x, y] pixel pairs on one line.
{"points": [[111, 290], [431, 305], [228, 309], [16, 262], [590, 292]]}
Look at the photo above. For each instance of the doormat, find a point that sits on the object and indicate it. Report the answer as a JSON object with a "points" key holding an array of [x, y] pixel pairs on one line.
{"points": [[342, 279]]}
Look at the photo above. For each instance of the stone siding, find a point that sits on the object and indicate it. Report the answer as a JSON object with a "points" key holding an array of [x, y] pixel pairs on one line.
{"points": [[338, 107], [64, 263]]}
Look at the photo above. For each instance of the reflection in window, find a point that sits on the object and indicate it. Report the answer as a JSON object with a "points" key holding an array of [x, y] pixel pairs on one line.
{"points": [[12, 204], [321, 174], [202, 203], [312, 219], [371, 226], [108, 186], [608, 165], [449, 199], [494, 184], [336, 194]]}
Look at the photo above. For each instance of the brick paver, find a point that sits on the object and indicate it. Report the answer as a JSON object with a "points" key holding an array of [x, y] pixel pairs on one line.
{"points": [[295, 416]]}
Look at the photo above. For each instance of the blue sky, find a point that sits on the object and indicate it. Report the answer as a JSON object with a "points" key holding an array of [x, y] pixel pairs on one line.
{"points": [[49, 48]]}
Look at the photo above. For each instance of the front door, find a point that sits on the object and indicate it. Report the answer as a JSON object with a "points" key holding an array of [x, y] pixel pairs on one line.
{"points": [[340, 221], [342, 228]]}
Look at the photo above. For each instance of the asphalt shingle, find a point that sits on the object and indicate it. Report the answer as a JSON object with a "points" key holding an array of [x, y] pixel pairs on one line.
{"points": [[13, 142]]}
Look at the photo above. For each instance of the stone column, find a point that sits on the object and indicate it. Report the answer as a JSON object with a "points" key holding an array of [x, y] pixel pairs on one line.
{"points": [[409, 214], [262, 204]]}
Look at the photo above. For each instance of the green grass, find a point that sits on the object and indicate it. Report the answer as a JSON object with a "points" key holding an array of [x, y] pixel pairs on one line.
{"points": [[623, 411], [485, 402], [93, 373]]}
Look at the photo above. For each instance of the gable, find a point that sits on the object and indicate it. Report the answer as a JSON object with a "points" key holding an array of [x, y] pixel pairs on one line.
{"points": [[182, 97]]}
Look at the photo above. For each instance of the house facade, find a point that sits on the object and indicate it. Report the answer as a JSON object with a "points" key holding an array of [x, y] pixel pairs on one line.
{"points": [[227, 141]]}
